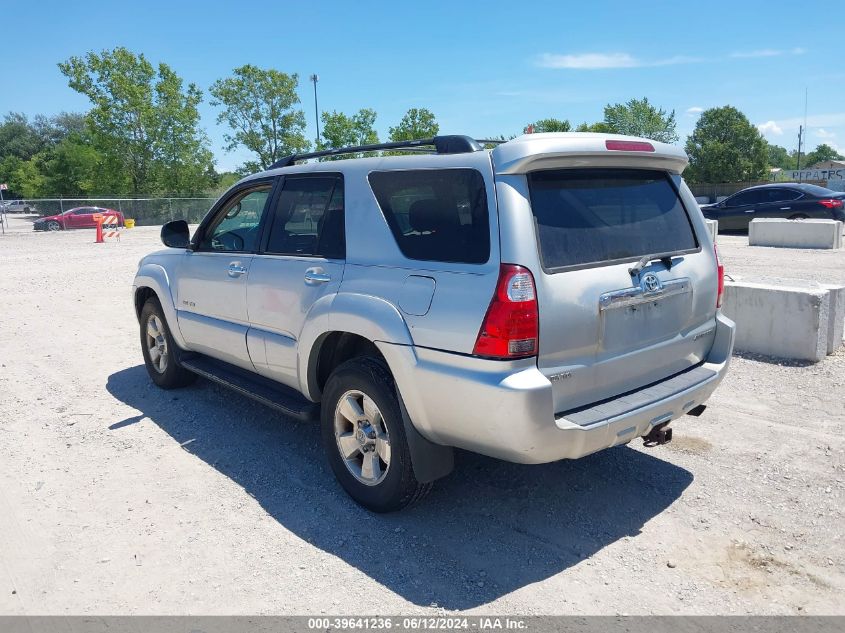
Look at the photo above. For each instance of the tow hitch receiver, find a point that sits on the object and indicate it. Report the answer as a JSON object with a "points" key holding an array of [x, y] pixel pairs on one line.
{"points": [[660, 434]]}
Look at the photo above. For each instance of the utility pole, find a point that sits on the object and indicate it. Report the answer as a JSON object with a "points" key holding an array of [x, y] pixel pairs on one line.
{"points": [[800, 135], [315, 79]]}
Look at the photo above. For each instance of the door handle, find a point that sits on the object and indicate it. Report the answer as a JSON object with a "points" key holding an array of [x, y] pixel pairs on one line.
{"points": [[236, 270], [750, 210], [785, 208], [316, 276]]}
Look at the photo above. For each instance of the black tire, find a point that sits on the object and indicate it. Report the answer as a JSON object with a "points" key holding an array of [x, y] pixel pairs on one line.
{"points": [[52, 225], [798, 216], [398, 488], [173, 375]]}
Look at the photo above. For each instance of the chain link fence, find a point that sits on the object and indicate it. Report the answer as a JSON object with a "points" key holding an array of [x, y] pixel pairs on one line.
{"points": [[145, 211]]}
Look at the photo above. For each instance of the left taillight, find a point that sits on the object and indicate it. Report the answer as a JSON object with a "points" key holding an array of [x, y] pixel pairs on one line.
{"points": [[510, 328], [720, 287]]}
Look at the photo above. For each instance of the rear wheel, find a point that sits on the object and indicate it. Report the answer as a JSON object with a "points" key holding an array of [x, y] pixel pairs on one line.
{"points": [[364, 437], [159, 349], [52, 225]]}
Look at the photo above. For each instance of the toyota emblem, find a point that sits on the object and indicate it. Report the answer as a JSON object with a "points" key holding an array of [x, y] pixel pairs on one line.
{"points": [[651, 283]]}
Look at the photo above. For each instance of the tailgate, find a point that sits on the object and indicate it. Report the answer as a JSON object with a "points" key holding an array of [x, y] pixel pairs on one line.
{"points": [[606, 330]]}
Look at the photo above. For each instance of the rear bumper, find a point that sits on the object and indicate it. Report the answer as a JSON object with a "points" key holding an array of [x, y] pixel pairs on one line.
{"points": [[505, 410]]}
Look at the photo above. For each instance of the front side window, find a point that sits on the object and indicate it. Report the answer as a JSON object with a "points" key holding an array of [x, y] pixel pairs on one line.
{"points": [[235, 227], [309, 218], [436, 215], [596, 216], [745, 198]]}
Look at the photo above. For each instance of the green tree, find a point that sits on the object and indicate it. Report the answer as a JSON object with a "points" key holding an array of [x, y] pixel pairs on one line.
{"points": [[725, 147], [260, 108], [27, 180], [821, 154], [639, 118], [778, 156], [416, 124], [137, 120], [183, 160], [600, 127], [18, 137], [340, 130], [72, 167], [548, 125]]}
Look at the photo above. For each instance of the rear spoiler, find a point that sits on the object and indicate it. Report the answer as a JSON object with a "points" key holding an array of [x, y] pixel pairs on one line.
{"points": [[532, 152]]}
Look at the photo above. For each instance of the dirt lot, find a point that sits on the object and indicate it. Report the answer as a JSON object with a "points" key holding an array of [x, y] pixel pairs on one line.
{"points": [[119, 498]]}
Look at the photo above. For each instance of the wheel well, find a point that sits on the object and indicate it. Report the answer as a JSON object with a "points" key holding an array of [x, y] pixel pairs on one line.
{"points": [[141, 296], [337, 348]]}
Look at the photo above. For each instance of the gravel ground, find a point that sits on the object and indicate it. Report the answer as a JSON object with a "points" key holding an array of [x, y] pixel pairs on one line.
{"points": [[119, 498]]}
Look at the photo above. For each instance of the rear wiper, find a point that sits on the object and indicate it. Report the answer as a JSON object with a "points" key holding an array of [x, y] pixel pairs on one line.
{"points": [[645, 260]]}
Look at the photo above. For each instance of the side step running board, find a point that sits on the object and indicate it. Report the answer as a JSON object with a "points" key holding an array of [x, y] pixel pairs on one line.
{"points": [[267, 392]]}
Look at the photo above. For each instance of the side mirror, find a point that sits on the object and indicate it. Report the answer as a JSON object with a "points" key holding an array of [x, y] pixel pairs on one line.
{"points": [[175, 234]]}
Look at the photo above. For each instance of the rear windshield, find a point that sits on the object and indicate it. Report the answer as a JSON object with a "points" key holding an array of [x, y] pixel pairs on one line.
{"points": [[593, 216], [436, 215]]}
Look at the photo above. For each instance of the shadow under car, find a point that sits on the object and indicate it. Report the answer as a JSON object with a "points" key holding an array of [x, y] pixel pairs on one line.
{"points": [[488, 529]]}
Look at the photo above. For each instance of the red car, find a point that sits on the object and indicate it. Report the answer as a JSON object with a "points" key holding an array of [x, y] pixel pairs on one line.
{"points": [[78, 218]]}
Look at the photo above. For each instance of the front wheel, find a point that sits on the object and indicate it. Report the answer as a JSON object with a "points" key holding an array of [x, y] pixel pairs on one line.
{"points": [[52, 225], [159, 349], [364, 437]]}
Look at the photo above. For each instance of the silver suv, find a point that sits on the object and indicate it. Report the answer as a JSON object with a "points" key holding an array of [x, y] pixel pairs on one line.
{"points": [[543, 300]]}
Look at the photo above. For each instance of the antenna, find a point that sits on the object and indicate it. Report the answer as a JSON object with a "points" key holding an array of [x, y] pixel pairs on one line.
{"points": [[315, 79]]}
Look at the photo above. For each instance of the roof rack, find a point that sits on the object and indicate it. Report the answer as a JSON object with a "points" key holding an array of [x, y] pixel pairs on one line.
{"points": [[450, 144]]}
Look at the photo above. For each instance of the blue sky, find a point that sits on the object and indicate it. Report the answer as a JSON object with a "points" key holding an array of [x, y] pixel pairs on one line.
{"points": [[483, 68]]}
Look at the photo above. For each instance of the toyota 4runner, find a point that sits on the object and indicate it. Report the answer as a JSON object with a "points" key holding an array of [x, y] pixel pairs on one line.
{"points": [[543, 300]]}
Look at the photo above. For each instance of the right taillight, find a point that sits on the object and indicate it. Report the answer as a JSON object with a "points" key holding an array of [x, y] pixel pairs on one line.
{"points": [[510, 328], [831, 203], [720, 288]]}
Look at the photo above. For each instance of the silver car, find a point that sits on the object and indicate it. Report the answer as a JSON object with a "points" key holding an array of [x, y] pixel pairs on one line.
{"points": [[543, 300]]}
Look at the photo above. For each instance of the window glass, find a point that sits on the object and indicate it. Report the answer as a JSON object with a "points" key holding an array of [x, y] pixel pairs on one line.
{"points": [[781, 195], [309, 218], [235, 227], [744, 198], [84, 211], [436, 214], [586, 216]]}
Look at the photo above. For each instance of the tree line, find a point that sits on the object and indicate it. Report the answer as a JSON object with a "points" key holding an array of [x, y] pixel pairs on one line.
{"points": [[142, 134]]}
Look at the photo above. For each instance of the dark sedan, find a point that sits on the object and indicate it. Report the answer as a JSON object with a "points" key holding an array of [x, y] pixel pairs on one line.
{"points": [[794, 201]]}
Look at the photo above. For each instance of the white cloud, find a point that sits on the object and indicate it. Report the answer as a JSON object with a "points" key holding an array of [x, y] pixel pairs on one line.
{"points": [[694, 111], [588, 61], [823, 133], [770, 127], [767, 52], [596, 61]]}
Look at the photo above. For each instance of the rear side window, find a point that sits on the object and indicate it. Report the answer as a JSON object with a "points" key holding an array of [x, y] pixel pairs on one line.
{"points": [[596, 216], [436, 215]]}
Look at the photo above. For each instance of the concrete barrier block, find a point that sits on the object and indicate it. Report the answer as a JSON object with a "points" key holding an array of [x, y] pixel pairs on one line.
{"points": [[783, 321], [836, 322], [713, 228], [795, 233]]}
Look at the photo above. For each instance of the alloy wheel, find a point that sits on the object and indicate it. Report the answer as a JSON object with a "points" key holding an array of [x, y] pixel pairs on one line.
{"points": [[157, 344], [362, 437]]}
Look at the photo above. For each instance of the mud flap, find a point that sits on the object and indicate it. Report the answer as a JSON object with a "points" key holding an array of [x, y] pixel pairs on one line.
{"points": [[430, 461]]}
